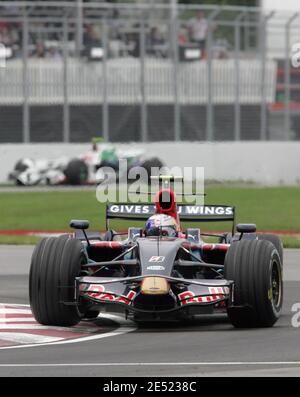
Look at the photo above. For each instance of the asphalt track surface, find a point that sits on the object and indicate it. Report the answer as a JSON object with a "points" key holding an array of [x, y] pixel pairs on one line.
{"points": [[208, 346]]}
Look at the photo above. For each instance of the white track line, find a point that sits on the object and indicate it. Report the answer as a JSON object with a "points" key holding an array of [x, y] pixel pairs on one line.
{"points": [[219, 363]]}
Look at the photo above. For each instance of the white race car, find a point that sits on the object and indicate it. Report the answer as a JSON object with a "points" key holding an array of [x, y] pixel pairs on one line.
{"points": [[84, 169]]}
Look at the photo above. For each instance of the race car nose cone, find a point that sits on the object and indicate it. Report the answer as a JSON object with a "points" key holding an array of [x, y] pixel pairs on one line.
{"points": [[155, 286]]}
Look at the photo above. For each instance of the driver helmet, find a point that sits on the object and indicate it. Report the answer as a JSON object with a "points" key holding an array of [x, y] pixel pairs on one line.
{"points": [[161, 225]]}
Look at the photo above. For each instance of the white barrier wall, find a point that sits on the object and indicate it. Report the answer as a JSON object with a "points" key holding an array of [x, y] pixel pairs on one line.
{"points": [[269, 163]]}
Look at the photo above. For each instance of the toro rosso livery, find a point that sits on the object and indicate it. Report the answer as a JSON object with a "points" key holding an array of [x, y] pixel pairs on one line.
{"points": [[158, 271]]}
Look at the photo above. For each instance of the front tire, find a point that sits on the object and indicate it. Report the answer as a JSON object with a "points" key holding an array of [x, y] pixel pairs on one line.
{"points": [[255, 267], [275, 240], [55, 264]]}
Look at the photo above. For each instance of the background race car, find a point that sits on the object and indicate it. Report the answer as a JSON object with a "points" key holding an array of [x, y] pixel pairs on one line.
{"points": [[85, 169]]}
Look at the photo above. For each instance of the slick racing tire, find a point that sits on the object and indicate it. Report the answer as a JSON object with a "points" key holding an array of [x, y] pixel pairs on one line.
{"points": [[54, 265], [150, 163], [275, 240], [255, 268], [76, 172]]}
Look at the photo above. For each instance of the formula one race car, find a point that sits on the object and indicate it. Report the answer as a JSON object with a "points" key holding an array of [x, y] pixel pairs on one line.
{"points": [[29, 172], [85, 169], [160, 271]]}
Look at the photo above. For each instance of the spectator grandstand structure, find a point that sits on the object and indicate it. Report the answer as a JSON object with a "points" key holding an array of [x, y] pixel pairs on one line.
{"points": [[145, 72]]}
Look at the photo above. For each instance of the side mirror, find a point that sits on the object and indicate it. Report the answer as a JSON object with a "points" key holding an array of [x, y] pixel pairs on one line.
{"points": [[193, 235], [79, 224], [246, 228]]}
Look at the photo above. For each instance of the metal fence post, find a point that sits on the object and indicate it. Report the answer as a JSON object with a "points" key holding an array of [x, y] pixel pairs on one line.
{"points": [[26, 109], [105, 118], [287, 78], [209, 106], [79, 28], [66, 109], [175, 51], [246, 34], [237, 106], [263, 110], [144, 126], [210, 136]]}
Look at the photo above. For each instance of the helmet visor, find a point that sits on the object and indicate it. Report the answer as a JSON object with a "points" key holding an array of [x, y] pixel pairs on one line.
{"points": [[165, 231]]}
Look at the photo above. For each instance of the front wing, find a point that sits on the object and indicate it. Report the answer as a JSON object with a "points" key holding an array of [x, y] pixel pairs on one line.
{"points": [[123, 294]]}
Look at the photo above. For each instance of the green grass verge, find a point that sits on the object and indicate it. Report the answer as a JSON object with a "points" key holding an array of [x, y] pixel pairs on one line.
{"points": [[273, 208], [19, 240], [291, 242], [269, 208]]}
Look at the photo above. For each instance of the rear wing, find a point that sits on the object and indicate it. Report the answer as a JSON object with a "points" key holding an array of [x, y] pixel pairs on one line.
{"points": [[190, 213]]}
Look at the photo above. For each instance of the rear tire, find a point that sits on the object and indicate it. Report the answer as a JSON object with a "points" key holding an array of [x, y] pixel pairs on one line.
{"points": [[275, 240], [256, 270], [151, 163], [55, 264], [76, 172]]}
